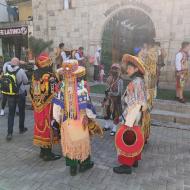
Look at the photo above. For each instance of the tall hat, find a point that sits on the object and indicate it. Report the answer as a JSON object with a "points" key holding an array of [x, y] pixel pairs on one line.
{"points": [[43, 60], [135, 61], [72, 67]]}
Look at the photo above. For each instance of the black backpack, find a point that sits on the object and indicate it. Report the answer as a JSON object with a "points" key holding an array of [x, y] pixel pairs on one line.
{"points": [[9, 84]]}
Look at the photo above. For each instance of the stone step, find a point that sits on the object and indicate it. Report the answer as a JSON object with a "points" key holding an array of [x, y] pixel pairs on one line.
{"points": [[164, 110], [169, 116], [170, 125], [159, 115], [165, 105], [171, 85], [173, 106]]}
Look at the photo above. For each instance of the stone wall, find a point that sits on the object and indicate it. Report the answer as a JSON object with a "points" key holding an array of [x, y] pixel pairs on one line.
{"points": [[84, 24]]}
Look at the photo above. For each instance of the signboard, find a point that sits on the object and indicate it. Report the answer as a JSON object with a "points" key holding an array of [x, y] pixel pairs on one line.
{"points": [[15, 31]]}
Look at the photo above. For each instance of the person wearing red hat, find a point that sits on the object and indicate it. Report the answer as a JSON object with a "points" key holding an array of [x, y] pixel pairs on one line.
{"points": [[112, 101], [42, 91], [129, 139]]}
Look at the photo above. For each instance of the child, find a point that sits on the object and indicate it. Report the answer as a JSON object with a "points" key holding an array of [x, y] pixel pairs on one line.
{"points": [[114, 92]]}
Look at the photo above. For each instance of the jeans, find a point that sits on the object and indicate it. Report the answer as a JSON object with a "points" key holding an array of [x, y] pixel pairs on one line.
{"points": [[4, 101], [12, 102]]}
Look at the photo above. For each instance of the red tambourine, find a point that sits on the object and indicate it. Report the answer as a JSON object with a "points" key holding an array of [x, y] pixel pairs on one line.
{"points": [[129, 140]]}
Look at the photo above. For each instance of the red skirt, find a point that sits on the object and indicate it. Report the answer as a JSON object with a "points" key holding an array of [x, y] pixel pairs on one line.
{"points": [[128, 161], [43, 133]]}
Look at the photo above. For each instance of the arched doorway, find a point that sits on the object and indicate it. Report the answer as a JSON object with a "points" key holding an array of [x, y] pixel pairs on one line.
{"points": [[127, 29]]}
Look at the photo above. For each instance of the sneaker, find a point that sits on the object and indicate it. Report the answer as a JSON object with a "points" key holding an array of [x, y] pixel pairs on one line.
{"points": [[2, 113], [23, 130], [114, 129], [106, 129], [9, 137], [123, 169], [112, 133]]}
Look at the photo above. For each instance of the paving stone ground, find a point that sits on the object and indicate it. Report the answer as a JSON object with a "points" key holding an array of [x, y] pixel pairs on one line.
{"points": [[165, 164]]}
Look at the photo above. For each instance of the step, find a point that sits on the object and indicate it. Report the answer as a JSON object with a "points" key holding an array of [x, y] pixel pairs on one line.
{"points": [[164, 110], [173, 106], [170, 125], [159, 115], [169, 116], [171, 85], [165, 105]]}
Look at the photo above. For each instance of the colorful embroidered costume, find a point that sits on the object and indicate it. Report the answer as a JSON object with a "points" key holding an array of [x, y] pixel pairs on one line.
{"points": [[150, 64], [76, 115], [112, 101], [181, 69], [129, 138], [42, 91]]}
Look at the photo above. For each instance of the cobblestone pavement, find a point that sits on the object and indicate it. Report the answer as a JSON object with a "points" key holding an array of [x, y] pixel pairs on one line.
{"points": [[165, 164]]}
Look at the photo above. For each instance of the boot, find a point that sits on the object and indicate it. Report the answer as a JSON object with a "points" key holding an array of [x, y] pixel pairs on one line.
{"points": [[86, 165], [42, 152], [123, 169], [136, 164], [49, 156], [73, 170]]}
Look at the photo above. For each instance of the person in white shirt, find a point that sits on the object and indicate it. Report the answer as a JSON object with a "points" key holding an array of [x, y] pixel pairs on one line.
{"points": [[60, 55], [102, 74], [63, 54], [181, 65], [97, 63]]}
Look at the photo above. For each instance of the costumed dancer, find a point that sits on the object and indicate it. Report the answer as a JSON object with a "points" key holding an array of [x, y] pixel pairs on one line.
{"points": [[129, 139], [182, 70], [150, 64], [112, 101], [42, 91], [76, 115]]}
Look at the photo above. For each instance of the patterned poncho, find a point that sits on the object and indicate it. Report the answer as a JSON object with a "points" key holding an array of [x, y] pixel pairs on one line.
{"points": [[134, 94]]}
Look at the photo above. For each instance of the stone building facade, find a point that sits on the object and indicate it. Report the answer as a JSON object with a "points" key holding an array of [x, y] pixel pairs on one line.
{"points": [[85, 22]]}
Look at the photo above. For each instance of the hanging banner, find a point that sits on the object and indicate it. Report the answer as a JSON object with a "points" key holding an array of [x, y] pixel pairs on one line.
{"points": [[15, 31]]}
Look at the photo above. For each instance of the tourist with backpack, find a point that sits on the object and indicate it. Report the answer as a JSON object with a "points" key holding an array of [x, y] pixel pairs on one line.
{"points": [[13, 86], [3, 97]]}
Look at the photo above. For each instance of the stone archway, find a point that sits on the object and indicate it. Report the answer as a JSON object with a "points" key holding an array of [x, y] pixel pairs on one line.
{"points": [[125, 30]]}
